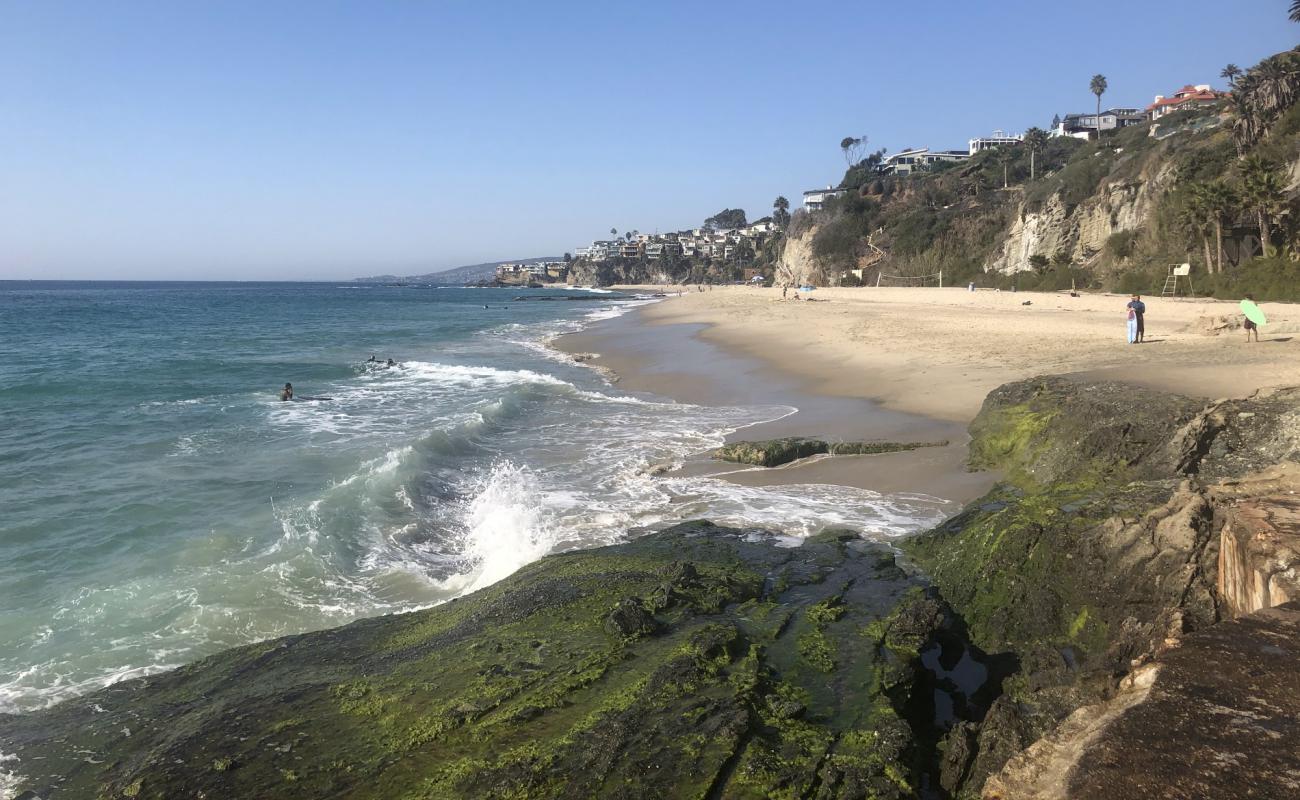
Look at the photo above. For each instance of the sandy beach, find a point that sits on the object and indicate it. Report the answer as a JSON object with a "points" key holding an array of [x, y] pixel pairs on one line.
{"points": [[915, 364], [938, 352]]}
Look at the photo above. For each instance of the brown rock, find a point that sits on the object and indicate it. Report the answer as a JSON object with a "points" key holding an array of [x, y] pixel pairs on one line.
{"points": [[1218, 716]]}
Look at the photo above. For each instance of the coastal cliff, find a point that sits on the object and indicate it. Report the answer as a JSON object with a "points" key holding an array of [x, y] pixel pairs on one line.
{"points": [[1050, 641]]}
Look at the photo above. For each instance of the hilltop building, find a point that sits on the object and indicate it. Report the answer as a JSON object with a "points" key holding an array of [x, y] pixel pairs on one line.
{"points": [[916, 158], [814, 199], [536, 272], [1085, 126], [998, 139], [696, 242], [1187, 97]]}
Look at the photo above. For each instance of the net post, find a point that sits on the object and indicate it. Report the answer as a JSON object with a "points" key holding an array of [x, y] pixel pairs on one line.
{"points": [[940, 279], [878, 276]]}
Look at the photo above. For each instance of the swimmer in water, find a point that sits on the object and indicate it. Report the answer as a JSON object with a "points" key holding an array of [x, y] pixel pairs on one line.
{"points": [[392, 363], [287, 392]]}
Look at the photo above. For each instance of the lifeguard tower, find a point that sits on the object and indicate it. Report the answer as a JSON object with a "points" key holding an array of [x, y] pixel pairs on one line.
{"points": [[1177, 271]]}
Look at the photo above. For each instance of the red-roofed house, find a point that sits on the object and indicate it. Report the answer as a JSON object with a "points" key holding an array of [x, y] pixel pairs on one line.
{"points": [[1187, 97]]}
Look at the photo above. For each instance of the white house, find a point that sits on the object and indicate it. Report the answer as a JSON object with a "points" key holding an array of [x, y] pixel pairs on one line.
{"points": [[998, 139], [911, 159], [814, 199]]}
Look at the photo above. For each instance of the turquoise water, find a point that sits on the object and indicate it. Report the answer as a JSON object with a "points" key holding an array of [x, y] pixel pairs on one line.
{"points": [[159, 503]]}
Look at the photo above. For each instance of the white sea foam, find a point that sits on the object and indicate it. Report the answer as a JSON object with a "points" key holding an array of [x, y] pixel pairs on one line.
{"points": [[10, 782], [506, 527]]}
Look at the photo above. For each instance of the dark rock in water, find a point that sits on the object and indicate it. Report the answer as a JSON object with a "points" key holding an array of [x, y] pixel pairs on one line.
{"points": [[775, 452], [686, 663], [1217, 716]]}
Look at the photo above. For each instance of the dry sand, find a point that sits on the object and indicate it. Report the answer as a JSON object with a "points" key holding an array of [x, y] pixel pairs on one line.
{"points": [[938, 352], [915, 365]]}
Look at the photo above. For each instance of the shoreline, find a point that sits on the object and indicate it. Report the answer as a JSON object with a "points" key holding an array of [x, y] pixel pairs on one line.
{"points": [[679, 361], [914, 365]]}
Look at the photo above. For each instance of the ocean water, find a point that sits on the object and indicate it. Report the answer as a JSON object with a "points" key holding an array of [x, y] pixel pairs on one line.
{"points": [[159, 503]]}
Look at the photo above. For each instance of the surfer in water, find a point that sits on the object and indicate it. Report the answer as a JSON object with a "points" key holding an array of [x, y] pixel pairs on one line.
{"points": [[287, 392]]}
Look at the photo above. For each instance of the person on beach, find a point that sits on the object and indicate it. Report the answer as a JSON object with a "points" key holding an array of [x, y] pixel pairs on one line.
{"points": [[1249, 324], [1132, 326], [1138, 310], [287, 392]]}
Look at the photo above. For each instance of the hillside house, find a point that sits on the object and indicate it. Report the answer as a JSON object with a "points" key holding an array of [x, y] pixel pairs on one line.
{"points": [[1085, 126], [814, 199], [919, 158], [1187, 97], [998, 139]]}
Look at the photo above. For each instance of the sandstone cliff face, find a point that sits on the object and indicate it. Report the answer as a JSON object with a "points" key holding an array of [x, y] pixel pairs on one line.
{"points": [[798, 264], [1081, 231]]}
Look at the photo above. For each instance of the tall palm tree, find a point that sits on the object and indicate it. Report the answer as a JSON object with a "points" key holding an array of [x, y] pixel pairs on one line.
{"points": [[1196, 215], [1231, 72], [613, 233], [1295, 11], [1098, 87], [1219, 199], [781, 211], [1004, 155], [1035, 141], [1264, 191]]}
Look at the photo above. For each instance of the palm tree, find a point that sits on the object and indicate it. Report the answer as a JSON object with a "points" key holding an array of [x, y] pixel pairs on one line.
{"points": [[1196, 215], [1035, 141], [1218, 200], [1264, 191], [781, 211], [1295, 10], [1098, 87], [1004, 155], [1231, 72], [613, 233]]}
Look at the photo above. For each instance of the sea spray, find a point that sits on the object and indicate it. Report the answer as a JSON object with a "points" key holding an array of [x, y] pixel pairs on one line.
{"points": [[506, 527], [227, 516]]}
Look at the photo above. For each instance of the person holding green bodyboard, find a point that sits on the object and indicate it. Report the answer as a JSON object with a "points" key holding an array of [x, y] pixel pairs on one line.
{"points": [[1254, 317]]}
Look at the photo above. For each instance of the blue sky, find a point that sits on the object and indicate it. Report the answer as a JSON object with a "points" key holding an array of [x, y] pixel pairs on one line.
{"points": [[322, 139]]}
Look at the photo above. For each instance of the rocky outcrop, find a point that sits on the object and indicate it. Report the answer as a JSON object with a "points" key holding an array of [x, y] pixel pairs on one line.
{"points": [[1216, 716], [1101, 550], [1063, 636], [1259, 549], [1081, 231], [798, 264], [775, 452], [693, 662]]}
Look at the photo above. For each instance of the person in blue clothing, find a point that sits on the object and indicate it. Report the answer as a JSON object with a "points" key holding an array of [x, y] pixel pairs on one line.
{"points": [[1137, 328]]}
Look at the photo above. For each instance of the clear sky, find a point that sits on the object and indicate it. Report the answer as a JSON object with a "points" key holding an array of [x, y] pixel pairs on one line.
{"points": [[323, 139]]}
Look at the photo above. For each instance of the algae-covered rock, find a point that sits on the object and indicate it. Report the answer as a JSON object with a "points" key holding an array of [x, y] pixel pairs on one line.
{"points": [[686, 663], [1098, 551], [775, 452]]}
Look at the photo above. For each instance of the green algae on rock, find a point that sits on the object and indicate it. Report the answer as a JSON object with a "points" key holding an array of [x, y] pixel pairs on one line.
{"points": [[1097, 551], [775, 452], [675, 665]]}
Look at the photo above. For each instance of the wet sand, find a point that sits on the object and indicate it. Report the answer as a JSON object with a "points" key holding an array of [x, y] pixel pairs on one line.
{"points": [[915, 365], [678, 362]]}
